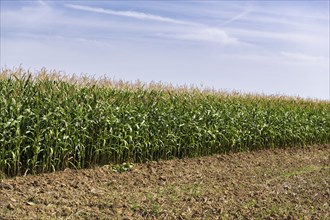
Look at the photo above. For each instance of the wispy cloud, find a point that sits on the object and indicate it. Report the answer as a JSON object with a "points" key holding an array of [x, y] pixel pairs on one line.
{"points": [[41, 2], [206, 34], [300, 57], [131, 14], [194, 32], [237, 17]]}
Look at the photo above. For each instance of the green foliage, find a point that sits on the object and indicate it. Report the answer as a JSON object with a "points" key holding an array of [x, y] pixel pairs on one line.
{"points": [[50, 122], [124, 167]]}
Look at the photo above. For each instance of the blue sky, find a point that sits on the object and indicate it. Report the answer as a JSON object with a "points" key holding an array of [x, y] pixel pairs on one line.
{"points": [[271, 47]]}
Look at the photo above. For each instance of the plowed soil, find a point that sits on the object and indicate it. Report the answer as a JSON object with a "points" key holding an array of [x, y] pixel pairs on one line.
{"points": [[270, 184]]}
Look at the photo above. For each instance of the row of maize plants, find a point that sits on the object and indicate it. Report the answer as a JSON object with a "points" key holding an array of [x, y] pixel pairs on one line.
{"points": [[50, 122]]}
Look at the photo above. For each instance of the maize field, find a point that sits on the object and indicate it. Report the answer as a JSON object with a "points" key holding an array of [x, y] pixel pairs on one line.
{"points": [[50, 121]]}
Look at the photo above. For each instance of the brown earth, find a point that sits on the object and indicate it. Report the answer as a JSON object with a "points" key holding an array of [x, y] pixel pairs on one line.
{"points": [[271, 184]]}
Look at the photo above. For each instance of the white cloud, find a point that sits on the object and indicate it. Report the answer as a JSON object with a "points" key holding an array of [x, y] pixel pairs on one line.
{"points": [[188, 30], [300, 57], [205, 34], [41, 2], [28, 16], [131, 14], [237, 17]]}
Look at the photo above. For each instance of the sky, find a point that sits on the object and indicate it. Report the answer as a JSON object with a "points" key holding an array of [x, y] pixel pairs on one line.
{"points": [[268, 47]]}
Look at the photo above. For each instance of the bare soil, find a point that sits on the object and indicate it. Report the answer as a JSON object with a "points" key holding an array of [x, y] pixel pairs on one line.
{"points": [[270, 184]]}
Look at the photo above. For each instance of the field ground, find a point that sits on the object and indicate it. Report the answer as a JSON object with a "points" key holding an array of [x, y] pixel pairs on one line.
{"points": [[271, 184]]}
